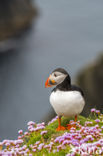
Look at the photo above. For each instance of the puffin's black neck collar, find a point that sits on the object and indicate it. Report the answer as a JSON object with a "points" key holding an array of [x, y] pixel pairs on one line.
{"points": [[65, 85]]}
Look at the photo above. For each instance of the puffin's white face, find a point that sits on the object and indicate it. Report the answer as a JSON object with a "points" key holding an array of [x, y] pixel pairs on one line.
{"points": [[55, 78]]}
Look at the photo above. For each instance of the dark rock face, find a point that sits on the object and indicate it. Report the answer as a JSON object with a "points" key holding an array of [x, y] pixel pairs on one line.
{"points": [[91, 81], [15, 15]]}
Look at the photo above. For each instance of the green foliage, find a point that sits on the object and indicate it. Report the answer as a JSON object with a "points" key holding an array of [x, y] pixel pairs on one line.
{"points": [[52, 134], [44, 152], [33, 138], [51, 130], [45, 140]]}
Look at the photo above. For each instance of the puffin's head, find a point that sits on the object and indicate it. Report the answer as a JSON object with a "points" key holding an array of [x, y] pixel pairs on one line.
{"points": [[56, 77]]}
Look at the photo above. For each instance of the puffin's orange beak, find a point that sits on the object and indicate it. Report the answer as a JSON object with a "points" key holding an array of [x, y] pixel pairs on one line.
{"points": [[49, 83]]}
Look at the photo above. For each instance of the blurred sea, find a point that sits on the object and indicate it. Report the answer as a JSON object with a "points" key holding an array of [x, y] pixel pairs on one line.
{"points": [[67, 34]]}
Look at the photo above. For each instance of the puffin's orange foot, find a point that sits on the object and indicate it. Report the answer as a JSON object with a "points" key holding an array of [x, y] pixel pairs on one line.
{"points": [[71, 125], [60, 128]]}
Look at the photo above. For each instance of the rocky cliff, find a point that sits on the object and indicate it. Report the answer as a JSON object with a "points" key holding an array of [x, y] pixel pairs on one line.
{"points": [[15, 16], [90, 80]]}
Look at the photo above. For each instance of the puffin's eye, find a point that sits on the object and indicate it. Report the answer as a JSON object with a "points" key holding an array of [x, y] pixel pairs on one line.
{"points": [[55, 75]]}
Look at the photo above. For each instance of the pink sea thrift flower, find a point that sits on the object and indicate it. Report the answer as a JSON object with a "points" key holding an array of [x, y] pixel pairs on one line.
{"points": [[98, 111], [19, 137], [31, 123], [41, 124], [27, 150], [46, 146], [39, 128], [37, 142], [97, 120], [7, 144], [26, 133], [43, 132], [32, 129], [54, 119], [40, 146], [19, 141], [34, 150], [93, 110], [24, 147], [20, 132]]}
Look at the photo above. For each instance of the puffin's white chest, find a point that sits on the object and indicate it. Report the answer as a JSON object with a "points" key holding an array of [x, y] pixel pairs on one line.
{"points": [[67, 103]]}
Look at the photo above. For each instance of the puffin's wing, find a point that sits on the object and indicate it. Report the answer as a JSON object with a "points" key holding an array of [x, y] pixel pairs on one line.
{"points": [[75, 88]]}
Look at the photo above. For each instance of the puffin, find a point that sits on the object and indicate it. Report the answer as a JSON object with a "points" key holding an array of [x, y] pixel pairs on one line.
{"points": [[66, 99]]}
